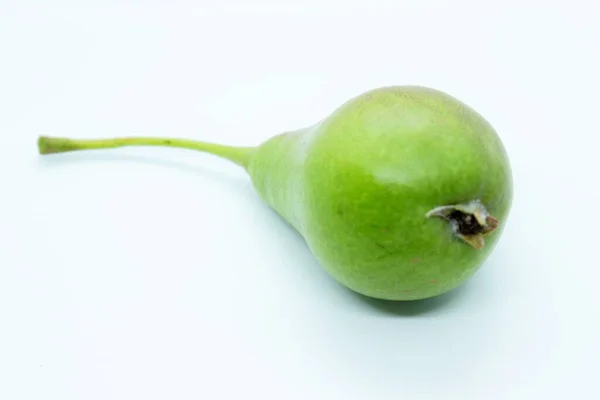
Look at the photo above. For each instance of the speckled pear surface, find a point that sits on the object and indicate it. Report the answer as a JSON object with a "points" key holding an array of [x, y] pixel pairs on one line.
{"points": [[401, 193]]}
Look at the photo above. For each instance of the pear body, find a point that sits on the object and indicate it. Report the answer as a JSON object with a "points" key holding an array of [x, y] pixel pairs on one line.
{"points": [[358, 185]]}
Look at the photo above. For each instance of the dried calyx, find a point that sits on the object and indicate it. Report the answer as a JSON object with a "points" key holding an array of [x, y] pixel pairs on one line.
{"points": [[469, 221]]}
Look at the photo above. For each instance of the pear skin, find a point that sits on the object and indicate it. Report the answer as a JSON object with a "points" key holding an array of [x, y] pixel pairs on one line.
{"points": [[401, 193]]}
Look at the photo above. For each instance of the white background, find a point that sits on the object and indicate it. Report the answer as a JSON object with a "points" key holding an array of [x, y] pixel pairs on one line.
{"points": [[158, 273]]}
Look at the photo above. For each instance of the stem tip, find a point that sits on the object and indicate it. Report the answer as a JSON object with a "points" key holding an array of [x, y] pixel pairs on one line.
{"points": [[50, 145]]}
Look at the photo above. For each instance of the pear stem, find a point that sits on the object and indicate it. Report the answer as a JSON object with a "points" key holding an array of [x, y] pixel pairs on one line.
{"points": [[51, 145]]}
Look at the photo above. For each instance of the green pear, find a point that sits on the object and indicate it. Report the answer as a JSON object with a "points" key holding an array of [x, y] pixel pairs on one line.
{"points": [[401, 193]]}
